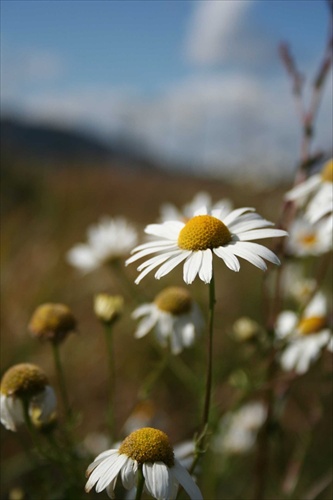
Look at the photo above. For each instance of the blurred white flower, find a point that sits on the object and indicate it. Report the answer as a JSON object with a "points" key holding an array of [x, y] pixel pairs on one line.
{"points": [[26, 382], [175, 317], [238, 430], [109, 240], [295, 284], [150, 451], [202, 199], [317, 190], [305, 336], [203, 236], [306, 238]]}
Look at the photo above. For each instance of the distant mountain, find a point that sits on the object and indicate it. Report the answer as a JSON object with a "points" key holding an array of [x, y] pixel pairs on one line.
{"points": [[21, 140]]}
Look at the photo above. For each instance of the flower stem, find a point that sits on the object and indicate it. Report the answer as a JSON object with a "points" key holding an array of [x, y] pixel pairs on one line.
{"points": [[61, 379], [208, 393], [110, 354], [201, 436], [140, 484]]}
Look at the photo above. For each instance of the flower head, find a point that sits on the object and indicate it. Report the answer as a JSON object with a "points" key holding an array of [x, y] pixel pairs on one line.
{"points": [[238, 430], [109, 240], [52, 322], [175, 317], [147, 449], [305, 336], [108, 308], [306, 238], [26, 383], [201, 237], [317, 190]]}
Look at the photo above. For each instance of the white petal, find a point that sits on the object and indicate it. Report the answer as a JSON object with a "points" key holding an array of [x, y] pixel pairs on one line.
{"points": [[228, 257], [168, 230], [303, 189], [186, 481], [154, 243], [157, 479], [155, 263], [162, 258], [11, 412], [142, 311], [258, 234], [247, 254], [246, 224], [235, 214], [129, 474], [260, 250], [171, 264], [145, 326], [82, 257], [45, 402], [105, 472], [192, 266], [148, 251], [206, 269]]}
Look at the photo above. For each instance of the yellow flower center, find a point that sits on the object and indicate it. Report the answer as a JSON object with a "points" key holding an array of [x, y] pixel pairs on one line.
{"points": [[314, 324], [175, 300], [308, 240], [148, 445], [203, 232], [327, 171], [24, 379]]}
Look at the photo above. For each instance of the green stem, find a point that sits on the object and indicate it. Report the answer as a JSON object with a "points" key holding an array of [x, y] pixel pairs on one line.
{"points": [[208, 394], [61, 379], [201, 437], [140, 484], [111, 367]]}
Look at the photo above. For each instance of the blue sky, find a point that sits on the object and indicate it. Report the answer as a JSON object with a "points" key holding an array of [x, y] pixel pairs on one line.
{"points": [[192, 81]]}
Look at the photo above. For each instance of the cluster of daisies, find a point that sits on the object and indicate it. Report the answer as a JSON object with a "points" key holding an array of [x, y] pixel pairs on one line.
{"points": [[192, 238]]}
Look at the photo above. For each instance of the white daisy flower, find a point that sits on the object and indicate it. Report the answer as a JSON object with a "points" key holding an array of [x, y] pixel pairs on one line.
{"points": [[150, 451], [109, 240], [175, 317], [319, 189], [202, 199], [200, 237], [238, 430], [306, 238], [305, 336], [26, 382], [296, 285]]}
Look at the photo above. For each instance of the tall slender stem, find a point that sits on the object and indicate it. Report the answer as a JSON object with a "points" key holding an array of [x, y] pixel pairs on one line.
{"points": [[61, 379], [110, 354], [208, 394], [200, 438]]}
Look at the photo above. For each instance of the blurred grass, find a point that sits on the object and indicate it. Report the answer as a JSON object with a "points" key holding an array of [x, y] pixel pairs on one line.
{"points": [[44, 213]]}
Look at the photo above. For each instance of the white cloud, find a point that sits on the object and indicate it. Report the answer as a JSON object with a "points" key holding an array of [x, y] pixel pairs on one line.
{"points": [[24, 67], [227, 124], [219, 32]]}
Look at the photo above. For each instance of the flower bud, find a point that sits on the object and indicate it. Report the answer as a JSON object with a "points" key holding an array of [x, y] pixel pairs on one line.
{"points": [[245, 329], [108, 308], [52, 322]]}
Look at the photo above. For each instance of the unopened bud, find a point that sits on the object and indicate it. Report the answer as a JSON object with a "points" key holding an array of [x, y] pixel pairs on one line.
{"points": [[108, 308], [245, 329], [52, 322]]}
